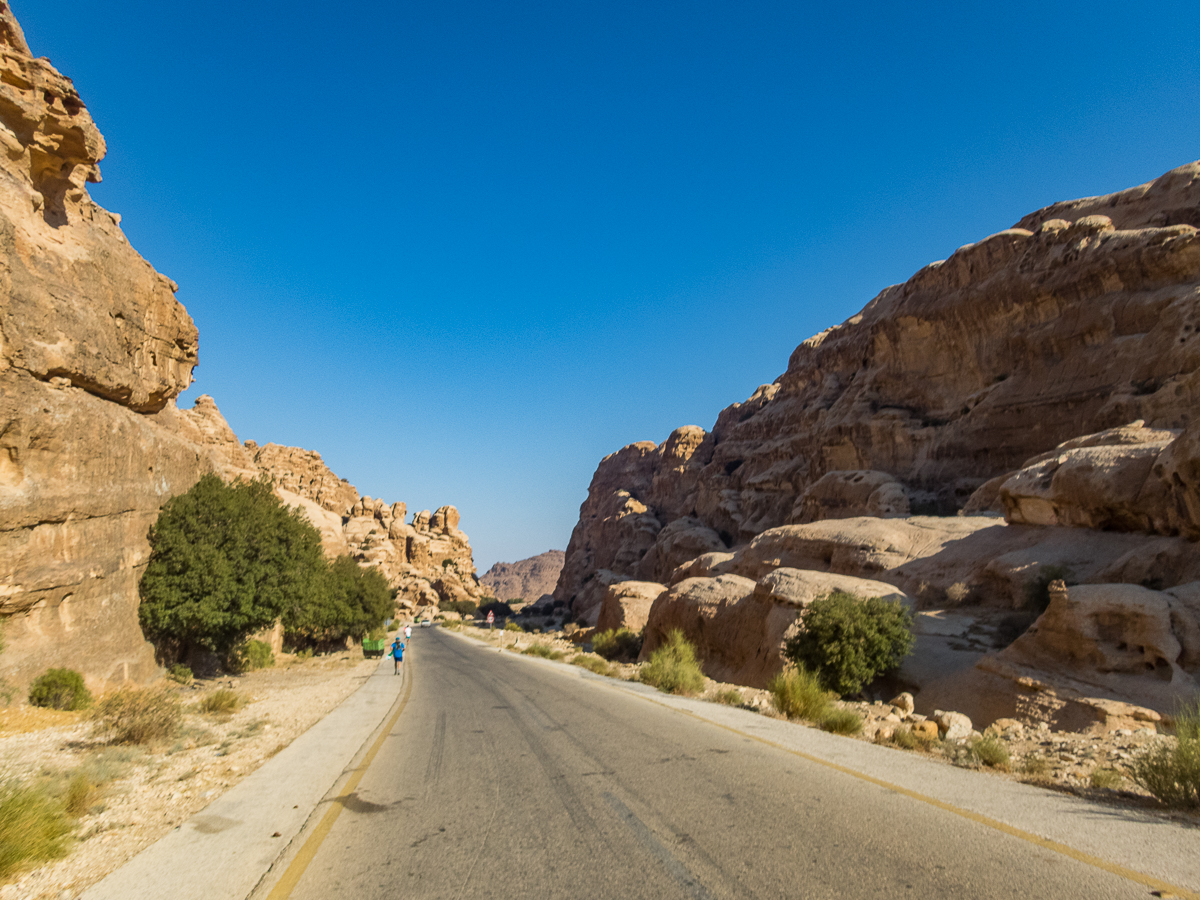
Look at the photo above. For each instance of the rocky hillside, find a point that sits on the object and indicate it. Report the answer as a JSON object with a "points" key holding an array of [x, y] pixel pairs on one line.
{"points": [[94, 349], [529, 579], [1049, 372]]}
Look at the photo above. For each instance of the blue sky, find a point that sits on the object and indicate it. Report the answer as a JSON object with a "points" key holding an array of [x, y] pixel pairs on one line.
{"points": [[464, 250]]}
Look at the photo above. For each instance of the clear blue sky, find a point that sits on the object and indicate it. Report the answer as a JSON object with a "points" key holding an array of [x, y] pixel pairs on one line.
{"points": [[464, 249]]}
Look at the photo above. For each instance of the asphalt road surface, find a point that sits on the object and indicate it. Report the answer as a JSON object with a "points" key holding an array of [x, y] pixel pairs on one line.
{"points": [[508, 778]]}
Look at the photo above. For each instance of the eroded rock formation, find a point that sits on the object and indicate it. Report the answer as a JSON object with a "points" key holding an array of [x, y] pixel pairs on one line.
{"points": [[427, 561], [1048, 373], [529, 579]]}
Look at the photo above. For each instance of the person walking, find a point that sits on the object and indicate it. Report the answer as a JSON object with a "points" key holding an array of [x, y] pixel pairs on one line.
{"points": [[397, 654], [408, 632]]}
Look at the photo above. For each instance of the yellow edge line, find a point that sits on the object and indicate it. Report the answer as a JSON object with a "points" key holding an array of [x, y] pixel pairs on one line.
{"points": [[1163, 887], [295, 871]]}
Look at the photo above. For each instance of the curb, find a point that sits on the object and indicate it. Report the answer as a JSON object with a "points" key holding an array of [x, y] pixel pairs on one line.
{"points": [[227, 848]]}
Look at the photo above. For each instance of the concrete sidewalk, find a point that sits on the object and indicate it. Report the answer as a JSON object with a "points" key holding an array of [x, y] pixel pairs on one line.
{"points": [[224, 850]]}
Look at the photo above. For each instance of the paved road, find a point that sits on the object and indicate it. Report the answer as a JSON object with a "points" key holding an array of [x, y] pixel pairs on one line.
{"points": [[508, 778]]}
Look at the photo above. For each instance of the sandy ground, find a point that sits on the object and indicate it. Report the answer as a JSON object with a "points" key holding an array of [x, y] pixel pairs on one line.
{"points": [[155, 789]]}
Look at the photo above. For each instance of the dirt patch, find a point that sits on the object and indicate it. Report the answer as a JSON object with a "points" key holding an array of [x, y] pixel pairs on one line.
{"points": [[151, 790]]}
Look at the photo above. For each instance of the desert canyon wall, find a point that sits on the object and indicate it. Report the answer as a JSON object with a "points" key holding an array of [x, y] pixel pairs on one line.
{"points": [[531, 579], [94, 349], [1048, 374]]}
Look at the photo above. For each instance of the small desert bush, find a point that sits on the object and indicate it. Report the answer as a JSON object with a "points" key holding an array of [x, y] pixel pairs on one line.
{"points": [[593, 664], [798, 694], [673, 667], [905, 739], [1187, 722], [34, 826], [513, 626], [1035, 767], [620, 644], [180, 674], [990, 751], [841, 721], [60, 689], [545, 651], [730, 697], [1106, 779], [1170, 772], [849, 642], [222, 702], [957, 592], [252, 655], [138, 715]]}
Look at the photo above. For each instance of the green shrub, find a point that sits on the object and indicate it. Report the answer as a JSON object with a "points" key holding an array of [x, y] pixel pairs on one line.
{"points": [[991, 752], [349, 601], [226, 561], [222, 701], [798, 694], [622, 644], [729, 697], [849, 642], [1035, 767], [180, 674], [465, 608], [1106, 779], [33, 827], [60, 689], [252, 655], [545, 651], [905, 739], [841, 721], [138, 715], [1187, 721], [673, 667], [1170, 772], [592, 664], [513, 626]]}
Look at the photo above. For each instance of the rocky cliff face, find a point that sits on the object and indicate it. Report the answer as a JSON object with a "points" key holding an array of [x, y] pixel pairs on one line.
{"points": [[528, 579], [94, 348], [1049, 372], [428, 559]]}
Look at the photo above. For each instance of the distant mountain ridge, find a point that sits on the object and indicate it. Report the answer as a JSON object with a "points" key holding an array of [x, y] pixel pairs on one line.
{"points": [[529, 579]]}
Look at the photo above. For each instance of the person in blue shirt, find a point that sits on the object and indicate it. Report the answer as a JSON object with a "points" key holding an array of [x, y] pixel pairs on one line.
{"points": [[397, 653]]}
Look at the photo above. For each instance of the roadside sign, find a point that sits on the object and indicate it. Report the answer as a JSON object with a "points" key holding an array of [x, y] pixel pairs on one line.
{"points": [[491, 617]]}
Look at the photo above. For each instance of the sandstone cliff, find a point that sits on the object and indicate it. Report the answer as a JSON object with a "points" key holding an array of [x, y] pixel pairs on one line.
{"points": [[94, 349], [428, 560], [1049, 372], [528, 579]]}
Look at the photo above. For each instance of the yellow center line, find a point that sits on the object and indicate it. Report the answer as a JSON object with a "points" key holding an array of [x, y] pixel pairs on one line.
{"points": [[1163, 887], [295, 871]]}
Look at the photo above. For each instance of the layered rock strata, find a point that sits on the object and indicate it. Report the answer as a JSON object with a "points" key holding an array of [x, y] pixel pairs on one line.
{"points": [[1047, 373]]}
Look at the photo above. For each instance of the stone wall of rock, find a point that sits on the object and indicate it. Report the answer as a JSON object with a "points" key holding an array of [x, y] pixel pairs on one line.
{"points": [[93, 349], [1048, 373], [1068, 324], [529, 579]]}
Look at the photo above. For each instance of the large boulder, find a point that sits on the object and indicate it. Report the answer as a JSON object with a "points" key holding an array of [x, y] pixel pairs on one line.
{"points": [[627, 604], [739, 626], [842, 495]]}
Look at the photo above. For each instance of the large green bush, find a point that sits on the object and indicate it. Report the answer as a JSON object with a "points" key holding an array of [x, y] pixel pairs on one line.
{"points": [[620, 643], [226, 560], [60, 689], [673, 667], [1171, 770], [464, 608], [849, 642], [349, 601], [34, 827]]}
